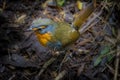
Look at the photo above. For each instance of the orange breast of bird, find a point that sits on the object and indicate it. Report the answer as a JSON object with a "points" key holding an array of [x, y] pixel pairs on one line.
{"points": [[43, 38]]}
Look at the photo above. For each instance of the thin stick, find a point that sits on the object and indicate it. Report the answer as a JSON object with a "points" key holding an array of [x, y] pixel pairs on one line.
{"points": [[45, 67], [117, 63], [61, 75]]}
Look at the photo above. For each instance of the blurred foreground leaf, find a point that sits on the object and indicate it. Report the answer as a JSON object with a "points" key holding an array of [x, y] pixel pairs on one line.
{"points": [[79, 5], [104, 56], [60, 2]]}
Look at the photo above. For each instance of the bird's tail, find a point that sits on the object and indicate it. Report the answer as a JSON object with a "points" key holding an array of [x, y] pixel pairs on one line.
{"points": [[83, 15]]}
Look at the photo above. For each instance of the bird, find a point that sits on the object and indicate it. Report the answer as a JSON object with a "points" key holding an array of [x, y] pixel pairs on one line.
{"points": [[59, 35]]}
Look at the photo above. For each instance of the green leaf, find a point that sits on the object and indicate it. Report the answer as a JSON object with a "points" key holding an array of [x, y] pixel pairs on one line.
{"points": [[110, 57], [1, 10], [97, 61], [60, 2], [104, 52], [114, 31], [79, 5]]}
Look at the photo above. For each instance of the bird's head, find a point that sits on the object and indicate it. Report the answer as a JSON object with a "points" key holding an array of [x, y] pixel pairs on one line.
{"points": [[44, 29], [42, 25]]}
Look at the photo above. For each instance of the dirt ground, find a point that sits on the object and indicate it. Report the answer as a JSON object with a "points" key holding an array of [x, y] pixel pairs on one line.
{"points": [[94, 56]]}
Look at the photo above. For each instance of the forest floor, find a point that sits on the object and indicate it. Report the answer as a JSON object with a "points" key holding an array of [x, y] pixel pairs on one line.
{"points": [[94, 56]]}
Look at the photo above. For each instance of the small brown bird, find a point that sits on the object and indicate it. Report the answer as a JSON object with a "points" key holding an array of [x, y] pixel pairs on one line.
{"points": [[58, 35]]}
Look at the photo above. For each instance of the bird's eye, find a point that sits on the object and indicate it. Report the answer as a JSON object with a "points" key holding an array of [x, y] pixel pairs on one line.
{"points": [[43, 27]]}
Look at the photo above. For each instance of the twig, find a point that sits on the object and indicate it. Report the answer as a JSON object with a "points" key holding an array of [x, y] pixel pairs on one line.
{"points": [[61, 75], [80, 69], [45, 66], [4, 5], [12, 77], [63, 60], [94, 3], [110, 68], [86, 26], [117, 63], [117, 55]]}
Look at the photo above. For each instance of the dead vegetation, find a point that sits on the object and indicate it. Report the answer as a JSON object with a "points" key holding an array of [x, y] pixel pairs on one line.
{"points": [[95, 56]]}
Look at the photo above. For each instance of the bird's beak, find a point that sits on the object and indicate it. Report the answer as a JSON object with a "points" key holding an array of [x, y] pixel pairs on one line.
{"points": [[30, 28]]}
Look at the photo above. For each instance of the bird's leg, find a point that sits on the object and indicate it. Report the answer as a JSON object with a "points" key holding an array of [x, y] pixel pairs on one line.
{"points": [[54, 52], [68, 56], [65, 59]]}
